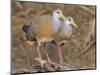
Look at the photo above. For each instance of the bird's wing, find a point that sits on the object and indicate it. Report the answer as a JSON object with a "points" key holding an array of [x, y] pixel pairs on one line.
{"points": [[42, 27]]}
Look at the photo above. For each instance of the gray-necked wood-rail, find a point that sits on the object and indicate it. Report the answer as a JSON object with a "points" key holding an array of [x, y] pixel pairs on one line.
{"points": [[44, 29], [64, 35]]}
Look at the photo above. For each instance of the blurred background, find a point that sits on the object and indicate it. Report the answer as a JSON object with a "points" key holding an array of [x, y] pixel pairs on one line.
{"points": [[80, 51]]}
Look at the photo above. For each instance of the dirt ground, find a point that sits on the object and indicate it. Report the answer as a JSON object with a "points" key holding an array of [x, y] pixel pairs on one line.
{"points": [[78, 52]]}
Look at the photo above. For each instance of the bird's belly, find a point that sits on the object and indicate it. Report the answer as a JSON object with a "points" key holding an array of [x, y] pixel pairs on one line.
{"points": [[44, 39]]}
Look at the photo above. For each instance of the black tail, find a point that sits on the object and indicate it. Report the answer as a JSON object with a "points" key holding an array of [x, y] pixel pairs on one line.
{"points": [[25, 28]]}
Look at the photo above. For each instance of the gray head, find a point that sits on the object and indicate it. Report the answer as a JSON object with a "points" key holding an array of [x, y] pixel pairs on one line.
{"points": [[70, 21], [57, 13]]}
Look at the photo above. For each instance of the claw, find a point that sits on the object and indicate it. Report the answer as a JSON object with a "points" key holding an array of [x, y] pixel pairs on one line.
{"points": [[42, 62]]}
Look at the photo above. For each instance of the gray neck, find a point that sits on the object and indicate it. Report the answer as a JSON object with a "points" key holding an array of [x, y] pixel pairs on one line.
{"points": [[67, 27], [56, 23]]}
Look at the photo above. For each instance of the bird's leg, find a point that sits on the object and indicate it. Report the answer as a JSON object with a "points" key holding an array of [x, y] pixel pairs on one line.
{"points": [[49, 61], [39, 58], [60, 49], [47, 55], [38, 51]]}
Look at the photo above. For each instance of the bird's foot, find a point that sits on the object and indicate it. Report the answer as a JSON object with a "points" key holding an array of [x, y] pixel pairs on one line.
{"points": [[42, 62], [51, 63], [62, 63]]}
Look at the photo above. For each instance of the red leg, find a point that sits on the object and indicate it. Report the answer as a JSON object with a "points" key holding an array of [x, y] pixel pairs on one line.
{"points": [[48, 58], [60, 49], [38, 51], [49, 61]]}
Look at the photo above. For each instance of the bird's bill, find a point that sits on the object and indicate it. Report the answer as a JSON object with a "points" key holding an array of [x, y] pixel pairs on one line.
{"points": [[74, 24], [62, 17]]}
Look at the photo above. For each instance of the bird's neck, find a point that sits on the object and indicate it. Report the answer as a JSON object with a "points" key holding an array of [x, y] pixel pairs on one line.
{"points": [[67, 27], [56, 23]]}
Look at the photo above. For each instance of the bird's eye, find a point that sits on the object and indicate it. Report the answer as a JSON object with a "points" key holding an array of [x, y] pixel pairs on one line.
{"points": [[69, 19], [58, 12]]}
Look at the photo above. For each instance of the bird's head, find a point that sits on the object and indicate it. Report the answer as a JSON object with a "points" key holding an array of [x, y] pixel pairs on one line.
{"points": [[70, 20], [58, 14]]}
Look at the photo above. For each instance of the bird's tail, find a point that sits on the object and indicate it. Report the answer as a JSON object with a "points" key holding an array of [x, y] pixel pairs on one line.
{"points": [[25, 28]]}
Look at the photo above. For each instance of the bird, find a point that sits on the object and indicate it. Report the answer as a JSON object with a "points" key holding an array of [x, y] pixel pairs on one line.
{"points": [[64, 35], [44, 29]]}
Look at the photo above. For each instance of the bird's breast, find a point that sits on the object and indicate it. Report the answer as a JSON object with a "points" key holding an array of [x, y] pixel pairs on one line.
{"points": [[46, 29], [56, 24], [64, 34]]}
